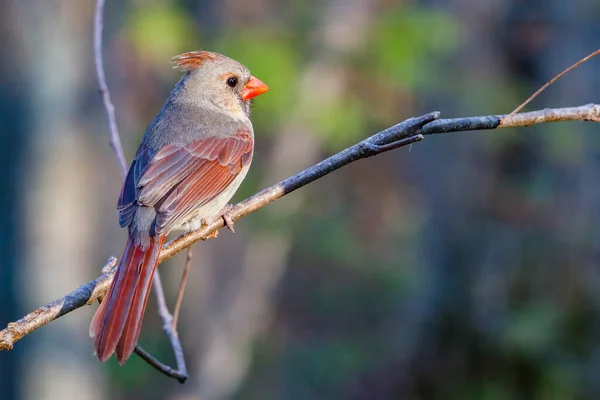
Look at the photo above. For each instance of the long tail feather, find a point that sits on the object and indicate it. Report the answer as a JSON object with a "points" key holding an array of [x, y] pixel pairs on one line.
{"points": [[131, 332], [117, 322]]}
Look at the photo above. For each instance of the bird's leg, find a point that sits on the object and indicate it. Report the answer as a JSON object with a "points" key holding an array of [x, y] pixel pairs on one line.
{"points": [[224, 213]]}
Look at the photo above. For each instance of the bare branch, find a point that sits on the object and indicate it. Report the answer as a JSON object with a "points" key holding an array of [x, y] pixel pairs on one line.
{"points": [[115, 139], [551, 81], [91, 291], [83, 295], [165, 369], [184, 276], [405, 133], [167, 319], [589, 112]]}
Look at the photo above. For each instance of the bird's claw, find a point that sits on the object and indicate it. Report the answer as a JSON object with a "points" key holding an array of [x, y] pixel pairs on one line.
{"points": [[227, 218]]}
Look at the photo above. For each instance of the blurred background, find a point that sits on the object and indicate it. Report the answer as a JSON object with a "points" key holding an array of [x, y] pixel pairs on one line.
{"points": [[465, 267]]}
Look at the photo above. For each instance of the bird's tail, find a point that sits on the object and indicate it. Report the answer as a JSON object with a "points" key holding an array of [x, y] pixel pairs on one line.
{"points": [[117, 322]]}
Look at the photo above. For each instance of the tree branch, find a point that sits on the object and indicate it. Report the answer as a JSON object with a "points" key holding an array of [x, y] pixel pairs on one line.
{"points": [[405, 133], [91, 291], [551, 81], [181, 376], [588, 112], [115, 139], [182, 285], [181, 373], [84, 295]]}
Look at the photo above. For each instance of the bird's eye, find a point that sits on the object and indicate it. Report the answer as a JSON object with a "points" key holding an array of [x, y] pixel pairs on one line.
{"points": [[232, 82]]}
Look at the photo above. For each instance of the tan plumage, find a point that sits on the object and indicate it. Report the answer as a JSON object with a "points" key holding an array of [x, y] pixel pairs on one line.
{"points": [[192, 159]]}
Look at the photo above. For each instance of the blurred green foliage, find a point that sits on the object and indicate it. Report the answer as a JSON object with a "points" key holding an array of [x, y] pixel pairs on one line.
{"points": [[158, 29], [407, 41]]}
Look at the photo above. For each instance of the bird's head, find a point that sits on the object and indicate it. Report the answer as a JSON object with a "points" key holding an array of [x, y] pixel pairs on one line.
{"points": [[220, 80]]}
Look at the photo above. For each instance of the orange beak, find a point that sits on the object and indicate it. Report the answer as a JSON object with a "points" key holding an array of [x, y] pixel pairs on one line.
{"points": [[253, 88]]}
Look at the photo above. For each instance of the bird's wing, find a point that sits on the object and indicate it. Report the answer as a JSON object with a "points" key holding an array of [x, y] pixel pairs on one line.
{"points": [[178, 179]]}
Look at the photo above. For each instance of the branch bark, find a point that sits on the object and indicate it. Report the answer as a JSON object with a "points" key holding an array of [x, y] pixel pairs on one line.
{"points": [[588, 112], [402, 134], [163, 310], [182, 285]]}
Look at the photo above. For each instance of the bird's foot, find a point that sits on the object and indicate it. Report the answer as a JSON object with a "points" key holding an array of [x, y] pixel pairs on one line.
{"points": [[224, 213]]}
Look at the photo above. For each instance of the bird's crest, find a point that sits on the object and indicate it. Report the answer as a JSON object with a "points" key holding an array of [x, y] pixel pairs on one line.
{"points": [[189, 61]]}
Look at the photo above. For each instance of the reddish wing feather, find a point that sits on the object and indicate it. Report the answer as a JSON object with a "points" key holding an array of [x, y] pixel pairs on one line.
{"points": [[179, 179], [199, 188]]}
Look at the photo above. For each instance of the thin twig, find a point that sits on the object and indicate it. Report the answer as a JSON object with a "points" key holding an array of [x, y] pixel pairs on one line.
{"points": [[165, 369], [182, 285], [115, 139], [115, 144], [167, 320], [551, 81]]}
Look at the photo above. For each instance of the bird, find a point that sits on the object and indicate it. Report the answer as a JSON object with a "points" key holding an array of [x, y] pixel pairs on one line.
{"points": [[193, 157]]}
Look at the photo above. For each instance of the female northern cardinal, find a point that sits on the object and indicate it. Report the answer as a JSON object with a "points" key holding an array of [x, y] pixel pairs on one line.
{"points": [[191, 161]]}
